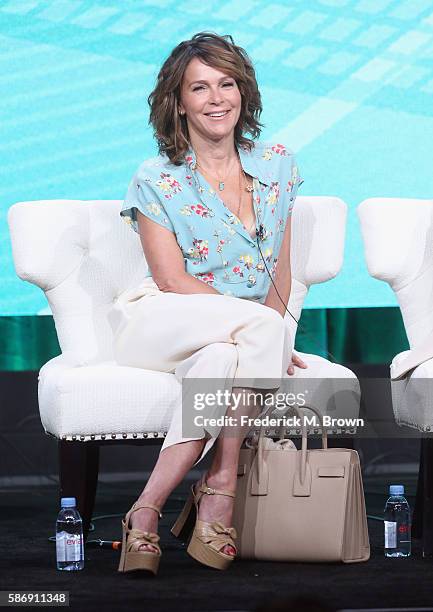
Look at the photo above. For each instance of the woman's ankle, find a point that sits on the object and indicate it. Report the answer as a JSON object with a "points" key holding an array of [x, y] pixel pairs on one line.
{"points": [[222, 479], [145, 518], [152, 498]]}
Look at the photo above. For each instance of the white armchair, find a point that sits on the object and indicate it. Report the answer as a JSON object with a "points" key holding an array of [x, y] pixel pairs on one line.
{"points": [[82, 255], [398, 241]]}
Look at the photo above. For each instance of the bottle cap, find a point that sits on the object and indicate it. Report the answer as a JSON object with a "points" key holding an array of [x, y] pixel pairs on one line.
{"points": [[68, 502], [396, 490]]}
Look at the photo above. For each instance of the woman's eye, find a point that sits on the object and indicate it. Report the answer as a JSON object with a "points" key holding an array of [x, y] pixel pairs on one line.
{"points": [[201, 86]]}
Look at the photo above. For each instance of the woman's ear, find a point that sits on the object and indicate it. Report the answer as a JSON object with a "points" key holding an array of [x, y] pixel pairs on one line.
{"points": [[180, 108]]}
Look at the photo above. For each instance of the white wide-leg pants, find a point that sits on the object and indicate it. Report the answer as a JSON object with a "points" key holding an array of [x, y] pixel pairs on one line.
{"points": [[208, 336]]}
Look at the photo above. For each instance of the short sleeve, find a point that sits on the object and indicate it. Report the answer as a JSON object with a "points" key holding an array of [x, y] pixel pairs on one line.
{"points": [[142, 197], [293, 183]]}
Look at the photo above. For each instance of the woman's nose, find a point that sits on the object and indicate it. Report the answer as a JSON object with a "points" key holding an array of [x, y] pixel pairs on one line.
{"points": [[215, 96]]}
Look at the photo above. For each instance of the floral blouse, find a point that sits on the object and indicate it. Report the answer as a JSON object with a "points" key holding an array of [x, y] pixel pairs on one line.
{"points": [[216, 246]]}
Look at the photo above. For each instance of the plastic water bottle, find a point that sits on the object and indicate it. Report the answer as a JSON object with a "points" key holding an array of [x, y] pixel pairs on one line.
{"points": [[397, 524], [69, 536]]}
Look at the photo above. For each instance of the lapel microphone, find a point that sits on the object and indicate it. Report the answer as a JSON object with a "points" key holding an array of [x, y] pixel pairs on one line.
{"points": [[260, 233]]}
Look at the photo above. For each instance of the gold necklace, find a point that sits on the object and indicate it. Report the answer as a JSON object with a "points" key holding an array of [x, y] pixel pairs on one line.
{"points": [[248, 188], [221, 182], [240, 196]]}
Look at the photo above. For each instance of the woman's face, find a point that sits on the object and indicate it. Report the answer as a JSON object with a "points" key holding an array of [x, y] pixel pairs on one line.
{"points": [[207, 90]]}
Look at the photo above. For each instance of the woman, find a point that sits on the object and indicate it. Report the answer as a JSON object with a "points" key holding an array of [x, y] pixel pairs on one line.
{"points": [[213, 214]]}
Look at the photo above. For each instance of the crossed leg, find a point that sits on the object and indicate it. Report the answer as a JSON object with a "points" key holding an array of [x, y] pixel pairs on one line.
{"points": [[212, 337]]}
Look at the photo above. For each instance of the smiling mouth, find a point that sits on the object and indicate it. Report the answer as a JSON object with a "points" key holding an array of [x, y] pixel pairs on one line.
{"points": [[219, 115]]}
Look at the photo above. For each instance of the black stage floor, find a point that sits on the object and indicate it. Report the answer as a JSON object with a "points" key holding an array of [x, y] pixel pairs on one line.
{"points": [[28, 563]]}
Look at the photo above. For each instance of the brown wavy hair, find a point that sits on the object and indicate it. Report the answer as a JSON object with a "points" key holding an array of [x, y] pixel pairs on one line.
{"points": [[219, 52]]}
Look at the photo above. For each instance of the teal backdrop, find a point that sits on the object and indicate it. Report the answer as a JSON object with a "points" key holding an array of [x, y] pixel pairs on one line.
{"points": [[344, 335], [347, 84]]}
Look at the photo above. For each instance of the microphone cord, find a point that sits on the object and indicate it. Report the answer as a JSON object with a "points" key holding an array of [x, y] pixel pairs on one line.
{"points": [[260, 233]]}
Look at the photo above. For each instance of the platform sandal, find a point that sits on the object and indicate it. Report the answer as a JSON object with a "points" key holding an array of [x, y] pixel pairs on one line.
{"points": [[131, 558], [207, 539]]}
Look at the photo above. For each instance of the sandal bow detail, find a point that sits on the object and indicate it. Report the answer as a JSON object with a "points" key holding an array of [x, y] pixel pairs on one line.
{"points": [[137, 538], [216, 536], [221, 529], [207, 539], [132, 558]]}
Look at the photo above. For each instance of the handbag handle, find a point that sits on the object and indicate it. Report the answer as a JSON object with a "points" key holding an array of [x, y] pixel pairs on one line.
{"points": [[260, 463], [304, 446]]}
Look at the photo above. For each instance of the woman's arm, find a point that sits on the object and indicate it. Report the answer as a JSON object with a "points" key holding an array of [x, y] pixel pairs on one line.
{"points": [[165, 259], [283, 276]]}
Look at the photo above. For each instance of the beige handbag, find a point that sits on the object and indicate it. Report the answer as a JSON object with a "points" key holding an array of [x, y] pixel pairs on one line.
{"points": [[300, 505]]}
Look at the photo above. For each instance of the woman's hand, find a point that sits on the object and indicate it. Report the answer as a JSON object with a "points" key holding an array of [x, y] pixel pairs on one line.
{"points": [[296, 361]]}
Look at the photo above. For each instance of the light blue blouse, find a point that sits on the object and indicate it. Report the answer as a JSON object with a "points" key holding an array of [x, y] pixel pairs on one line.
{"points": [[216, 247]]}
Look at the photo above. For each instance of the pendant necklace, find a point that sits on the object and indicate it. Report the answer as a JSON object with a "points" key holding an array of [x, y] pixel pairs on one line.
{"points": [[221, 185], [221, 181]]}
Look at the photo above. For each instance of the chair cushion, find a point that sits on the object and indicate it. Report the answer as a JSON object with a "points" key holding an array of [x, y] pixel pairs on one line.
{"points": [[412, 396], [105, 400], [88, 402]]}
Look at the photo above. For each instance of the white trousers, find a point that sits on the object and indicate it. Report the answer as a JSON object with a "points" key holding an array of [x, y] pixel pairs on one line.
{"points": [[210, 336]]}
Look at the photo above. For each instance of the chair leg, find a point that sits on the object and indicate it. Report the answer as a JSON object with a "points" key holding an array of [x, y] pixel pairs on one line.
{"points": [[427, 523], [418, 511], [78, 476]]}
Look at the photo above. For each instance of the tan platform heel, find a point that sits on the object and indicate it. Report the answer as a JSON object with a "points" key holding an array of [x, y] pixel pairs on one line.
{"points": [[207, 539], [131, 557]]}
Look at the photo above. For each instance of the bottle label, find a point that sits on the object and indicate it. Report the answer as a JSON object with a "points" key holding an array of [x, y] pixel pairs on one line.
{"points": [[390, 534], [68, 547]]}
